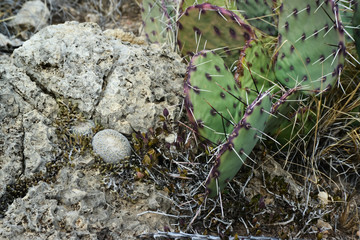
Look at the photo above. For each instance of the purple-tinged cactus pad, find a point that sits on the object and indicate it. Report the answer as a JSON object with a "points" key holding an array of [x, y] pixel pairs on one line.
{"points": [[281, 112], [206, 26], [211, 97], [311, 45], [239, 145]]}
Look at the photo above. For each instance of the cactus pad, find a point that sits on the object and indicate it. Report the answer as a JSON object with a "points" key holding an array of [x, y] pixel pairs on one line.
{"points": [[157, 20], [253, 71], [211, 97], [227, 4], [239, 145], [210, 27], [356, 24], [259, 14], [311, 45]]}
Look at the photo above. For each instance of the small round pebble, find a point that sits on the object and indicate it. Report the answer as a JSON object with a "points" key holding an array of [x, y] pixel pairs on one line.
{"points": [[111, 145]]}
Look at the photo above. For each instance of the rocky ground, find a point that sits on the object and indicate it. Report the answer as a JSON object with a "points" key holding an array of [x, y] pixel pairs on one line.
{"points": [[116, 81], [61, 83], [113, 83]]}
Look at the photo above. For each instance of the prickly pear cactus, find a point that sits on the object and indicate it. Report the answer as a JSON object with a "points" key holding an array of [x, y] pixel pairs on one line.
{"points": [[356, 24], [211, 97], [346, 11], [227, 4], [206, 26], [311, 45], [253, 71], [158, 20], [260, 14], [239, 144], [294, 126], [281, 109]]}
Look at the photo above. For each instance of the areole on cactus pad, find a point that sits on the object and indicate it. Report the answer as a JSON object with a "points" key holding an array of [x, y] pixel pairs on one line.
{"points": [[158, 20], [253, 71], [260, 14]]}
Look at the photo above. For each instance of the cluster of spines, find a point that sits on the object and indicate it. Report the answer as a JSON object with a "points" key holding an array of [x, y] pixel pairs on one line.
{"points": [[158, 19]]}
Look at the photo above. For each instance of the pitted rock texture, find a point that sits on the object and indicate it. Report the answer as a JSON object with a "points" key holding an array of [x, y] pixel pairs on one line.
{"points": [[69, 61], [113, 82], [121, 85], [144, 81], [77, 208]]}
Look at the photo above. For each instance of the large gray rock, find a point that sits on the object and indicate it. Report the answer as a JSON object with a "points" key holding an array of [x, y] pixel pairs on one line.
{"points": [[113, 82], [26, 136], [121, 85], [69, 61], [143, 82]]}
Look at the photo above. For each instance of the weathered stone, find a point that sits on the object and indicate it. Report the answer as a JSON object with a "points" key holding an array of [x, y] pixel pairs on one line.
{"points": [[38, 142], [115, 84], [68, 61], [144, 81], [76, 207], [111, 146]]}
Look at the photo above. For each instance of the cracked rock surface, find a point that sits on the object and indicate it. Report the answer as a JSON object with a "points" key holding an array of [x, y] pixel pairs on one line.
{"points": [[118, 84]]}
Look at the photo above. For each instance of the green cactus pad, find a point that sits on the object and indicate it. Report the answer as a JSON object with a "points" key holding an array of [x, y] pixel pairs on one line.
{"points": [[210, 27], [281, 109], [259, 14], [311, 45], [253, 71], [298, 124], [356, 24], [157, 21], [227, 4], [346, 11], [239, 145], [211, 91]]}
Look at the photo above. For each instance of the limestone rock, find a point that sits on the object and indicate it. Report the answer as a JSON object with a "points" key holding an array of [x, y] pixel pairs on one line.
{"points": [[76, 207], [69, 61], [38, 142], [144, 81], [121, 85], [114, 83]]}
